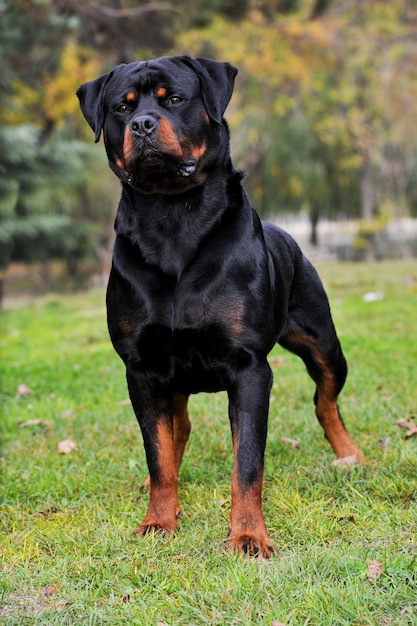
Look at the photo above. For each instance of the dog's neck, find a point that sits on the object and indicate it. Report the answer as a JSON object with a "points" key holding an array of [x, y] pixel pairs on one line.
{"points": [[168, 230]]}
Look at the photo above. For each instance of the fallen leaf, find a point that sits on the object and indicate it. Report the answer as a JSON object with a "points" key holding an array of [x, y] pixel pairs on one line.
{"points": [[410, 426], [402, 423], [277, 624], [345, 462], [66, 446], [30, 423], [23, 390], [383, 442], [123, 402], [68, 413], [292, 442], [375, 569], [49, 590]]}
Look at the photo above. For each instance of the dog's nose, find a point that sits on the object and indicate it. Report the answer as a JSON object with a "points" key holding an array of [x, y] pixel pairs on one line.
{"points": [[143, 125]]}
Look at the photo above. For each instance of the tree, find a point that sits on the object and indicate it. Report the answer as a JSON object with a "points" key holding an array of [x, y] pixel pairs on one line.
{"points": [[52, 204], [324, 111], [42, 167]]}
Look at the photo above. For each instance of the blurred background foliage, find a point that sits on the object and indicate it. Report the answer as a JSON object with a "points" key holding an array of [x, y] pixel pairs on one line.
{"points": [[323, 118]]}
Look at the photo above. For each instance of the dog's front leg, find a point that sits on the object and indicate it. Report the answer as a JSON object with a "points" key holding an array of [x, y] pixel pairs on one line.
{"points": [[248, 412], [153, 407]]}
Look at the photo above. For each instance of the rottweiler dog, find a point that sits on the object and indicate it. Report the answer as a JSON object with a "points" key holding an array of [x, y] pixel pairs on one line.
{"points": [[200, 288]]}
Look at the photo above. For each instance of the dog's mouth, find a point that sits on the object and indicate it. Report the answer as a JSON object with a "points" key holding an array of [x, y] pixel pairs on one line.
{"points": [[187, 168], [154, 172], [150, 159], [158, 164], [151, 166]]}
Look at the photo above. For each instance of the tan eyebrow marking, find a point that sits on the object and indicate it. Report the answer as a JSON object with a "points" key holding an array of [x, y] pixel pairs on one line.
{"points": [[130, 96], [161, 92]]}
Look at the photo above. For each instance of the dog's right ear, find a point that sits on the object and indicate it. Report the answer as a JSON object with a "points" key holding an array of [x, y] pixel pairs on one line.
{"points": [[90, 96]]}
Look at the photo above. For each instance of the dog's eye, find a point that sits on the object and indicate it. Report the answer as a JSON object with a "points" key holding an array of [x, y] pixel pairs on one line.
{"points": [[123, 108], [174, 100]]}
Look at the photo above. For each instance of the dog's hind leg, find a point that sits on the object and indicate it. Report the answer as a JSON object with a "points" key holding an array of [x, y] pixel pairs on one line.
{"points": [[310, 333]]}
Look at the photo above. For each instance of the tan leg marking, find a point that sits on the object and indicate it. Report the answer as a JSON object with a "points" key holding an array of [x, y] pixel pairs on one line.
{"points": [[182, 428], [164, 508], [248, 534]]}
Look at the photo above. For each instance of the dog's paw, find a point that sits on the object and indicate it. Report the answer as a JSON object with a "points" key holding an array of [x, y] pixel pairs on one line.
{"points": [[164, 526], [146, 529], [251, 546]]}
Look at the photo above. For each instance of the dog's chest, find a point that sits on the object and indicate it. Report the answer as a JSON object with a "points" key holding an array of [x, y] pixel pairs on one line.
{"points": [[191, 359], [187, 338]]}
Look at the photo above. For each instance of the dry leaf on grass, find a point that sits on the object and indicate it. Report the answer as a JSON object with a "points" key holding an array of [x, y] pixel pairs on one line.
{"points": [[23, 390], [410, 426], [291, 442], [49, 590], [375, 569], [66, 446], [278, 624], [30, 423]]}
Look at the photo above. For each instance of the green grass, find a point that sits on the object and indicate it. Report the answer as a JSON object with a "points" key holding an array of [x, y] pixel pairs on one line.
{"points": [[68, 554]]}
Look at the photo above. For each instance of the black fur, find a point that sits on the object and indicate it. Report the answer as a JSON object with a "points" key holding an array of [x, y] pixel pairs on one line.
{"points": [[200, 289]]}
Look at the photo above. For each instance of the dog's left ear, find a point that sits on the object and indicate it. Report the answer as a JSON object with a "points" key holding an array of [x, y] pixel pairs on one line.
{"points": [[90, 96], [217, 81]]}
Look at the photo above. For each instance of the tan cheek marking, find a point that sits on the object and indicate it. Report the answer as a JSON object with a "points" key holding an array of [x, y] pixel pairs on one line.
{"points": [[168, 138], [119, 163], [198, 152], [128, 149], [161, 92]]}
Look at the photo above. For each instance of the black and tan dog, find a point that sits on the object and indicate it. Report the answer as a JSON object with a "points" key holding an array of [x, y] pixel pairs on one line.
{"points": [[200, 289]]}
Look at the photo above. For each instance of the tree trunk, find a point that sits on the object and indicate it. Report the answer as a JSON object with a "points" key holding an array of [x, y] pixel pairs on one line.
{"points": [[314, 221], [367, 189]]}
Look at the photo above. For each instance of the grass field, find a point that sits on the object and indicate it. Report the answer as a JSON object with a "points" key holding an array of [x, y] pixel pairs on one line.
{"points": [[346, 540]]}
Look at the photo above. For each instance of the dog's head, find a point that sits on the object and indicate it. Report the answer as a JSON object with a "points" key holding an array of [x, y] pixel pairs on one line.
{"points": [[162, 120]]}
